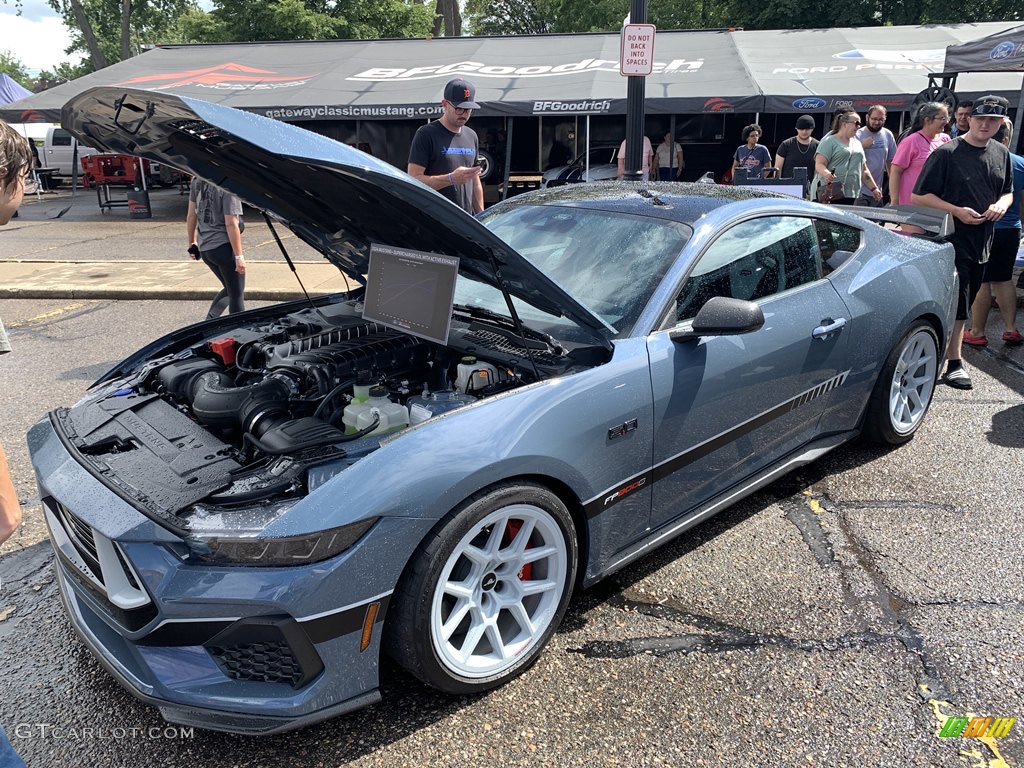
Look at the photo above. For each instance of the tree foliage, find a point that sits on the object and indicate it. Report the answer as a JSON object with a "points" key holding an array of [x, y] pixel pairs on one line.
{"points": [[11, 66], [245, 21], [516, 17]]}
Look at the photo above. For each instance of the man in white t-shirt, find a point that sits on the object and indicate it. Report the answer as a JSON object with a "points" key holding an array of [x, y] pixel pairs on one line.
{"points": [[646, 165]]}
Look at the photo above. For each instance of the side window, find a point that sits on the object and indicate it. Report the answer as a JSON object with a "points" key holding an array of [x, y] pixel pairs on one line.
{"points": [[61, 138], [838, 242], [754, 259]]}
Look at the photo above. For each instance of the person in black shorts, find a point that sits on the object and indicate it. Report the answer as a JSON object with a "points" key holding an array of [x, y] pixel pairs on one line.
{"points": [[969, 177], [997, 281], [443, 153]]}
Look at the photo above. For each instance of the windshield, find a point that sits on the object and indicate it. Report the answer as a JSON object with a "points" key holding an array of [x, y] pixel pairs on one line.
{"points": [[610, 262]]}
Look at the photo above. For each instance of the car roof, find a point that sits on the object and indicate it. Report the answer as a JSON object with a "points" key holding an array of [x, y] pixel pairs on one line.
{"points": [[675, 201]]}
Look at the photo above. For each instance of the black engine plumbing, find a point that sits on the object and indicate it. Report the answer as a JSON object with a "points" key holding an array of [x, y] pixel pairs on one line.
{"points": [[282, 388]]}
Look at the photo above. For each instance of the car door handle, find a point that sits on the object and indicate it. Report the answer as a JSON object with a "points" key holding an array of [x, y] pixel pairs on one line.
{"points": [[828, 327]]}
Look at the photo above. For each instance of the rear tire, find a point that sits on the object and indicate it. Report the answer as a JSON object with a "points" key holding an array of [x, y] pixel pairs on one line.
{"points": [[485, 591], [904, 388]]}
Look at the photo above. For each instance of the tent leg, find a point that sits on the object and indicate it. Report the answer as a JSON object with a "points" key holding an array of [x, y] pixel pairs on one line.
{"points": [[508, 155], [1017, 129], [586, 157]]}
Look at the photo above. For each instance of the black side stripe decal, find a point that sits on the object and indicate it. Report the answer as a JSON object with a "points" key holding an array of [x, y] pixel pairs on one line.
{"points": [[617, 493]]}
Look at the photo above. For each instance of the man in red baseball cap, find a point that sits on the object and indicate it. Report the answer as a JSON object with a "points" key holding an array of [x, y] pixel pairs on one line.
{"points": [[443, 153]]}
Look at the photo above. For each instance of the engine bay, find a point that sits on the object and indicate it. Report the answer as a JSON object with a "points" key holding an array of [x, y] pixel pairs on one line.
{"points": [[273, 408]]}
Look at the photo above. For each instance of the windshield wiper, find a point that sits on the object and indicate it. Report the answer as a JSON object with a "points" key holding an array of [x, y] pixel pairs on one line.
{"points": [[548, 342]]}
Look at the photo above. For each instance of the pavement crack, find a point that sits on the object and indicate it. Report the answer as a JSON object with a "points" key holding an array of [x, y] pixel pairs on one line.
{"points": [[806, 518], [725, 638], [893, 607]]}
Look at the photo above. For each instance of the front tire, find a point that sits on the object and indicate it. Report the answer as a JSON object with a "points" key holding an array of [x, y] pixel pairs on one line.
{"points": [[904, 388], [486, 590]]}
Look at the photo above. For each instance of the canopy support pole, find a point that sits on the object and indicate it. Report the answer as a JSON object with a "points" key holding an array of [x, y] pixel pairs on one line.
{"points": [[586, 160], [508, 156], [1018, 127]]}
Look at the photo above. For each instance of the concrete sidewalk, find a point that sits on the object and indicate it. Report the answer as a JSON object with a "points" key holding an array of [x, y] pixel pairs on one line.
{"points": [[172, 280], [42, 257]]}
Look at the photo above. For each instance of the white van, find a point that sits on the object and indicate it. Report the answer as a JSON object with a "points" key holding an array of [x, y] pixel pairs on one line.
{"points": [[59, 149]]}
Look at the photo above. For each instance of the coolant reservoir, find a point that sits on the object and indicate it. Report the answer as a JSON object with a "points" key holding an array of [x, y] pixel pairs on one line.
{"points": [[473, 375], [422, 407], [361, 390], [392, 415]]}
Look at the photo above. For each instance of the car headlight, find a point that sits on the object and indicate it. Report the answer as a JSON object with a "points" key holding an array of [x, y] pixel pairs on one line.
{"points": [[235, 538]]}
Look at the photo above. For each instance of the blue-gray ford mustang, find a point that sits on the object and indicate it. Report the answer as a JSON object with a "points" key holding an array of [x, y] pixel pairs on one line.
{"points": [[250, 510]]}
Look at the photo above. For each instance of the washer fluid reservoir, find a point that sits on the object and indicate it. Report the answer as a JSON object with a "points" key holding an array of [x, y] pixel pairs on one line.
{"points": [[423, 407]]}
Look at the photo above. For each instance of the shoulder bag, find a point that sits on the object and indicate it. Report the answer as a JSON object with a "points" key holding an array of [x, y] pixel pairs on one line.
{"points": [[834, 190]]}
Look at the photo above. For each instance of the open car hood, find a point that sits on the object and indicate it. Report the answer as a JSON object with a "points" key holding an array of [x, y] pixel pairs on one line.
{"points": [[336, 198]]}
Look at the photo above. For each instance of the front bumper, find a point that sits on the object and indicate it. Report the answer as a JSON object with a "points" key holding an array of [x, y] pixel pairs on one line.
{"points": [[240, 649]]}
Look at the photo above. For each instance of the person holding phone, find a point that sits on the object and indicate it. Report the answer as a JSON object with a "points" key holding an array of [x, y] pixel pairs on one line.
{"points": [[971, 178], [444, 152]]}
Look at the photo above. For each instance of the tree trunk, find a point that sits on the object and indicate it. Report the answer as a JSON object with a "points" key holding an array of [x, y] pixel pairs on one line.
{"points": [[438, 18], [448, 10], [126, 29], [99, 61]]}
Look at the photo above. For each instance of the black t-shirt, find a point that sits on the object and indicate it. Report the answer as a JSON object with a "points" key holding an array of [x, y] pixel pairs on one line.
{"points": [[975, 177], [796, 155], [440, 151]]}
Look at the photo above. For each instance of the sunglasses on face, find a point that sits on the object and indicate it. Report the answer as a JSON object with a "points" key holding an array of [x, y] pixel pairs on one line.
{"points": [[993, 110], [855, 122]]}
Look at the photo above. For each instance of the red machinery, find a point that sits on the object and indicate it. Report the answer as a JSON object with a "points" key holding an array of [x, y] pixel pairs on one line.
{"points": [[113, 169]]}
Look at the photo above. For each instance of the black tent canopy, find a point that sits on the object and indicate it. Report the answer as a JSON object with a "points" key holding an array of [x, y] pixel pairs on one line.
{"points": [[704, 71], [403, 79], [1002, 51]]}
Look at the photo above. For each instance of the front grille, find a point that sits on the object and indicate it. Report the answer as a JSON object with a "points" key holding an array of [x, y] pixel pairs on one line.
{"points": [[81, 536], [499, 343], [266, 662]]}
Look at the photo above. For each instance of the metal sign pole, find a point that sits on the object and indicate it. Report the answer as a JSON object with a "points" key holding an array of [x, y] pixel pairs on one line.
{"points": [[635, 106]]}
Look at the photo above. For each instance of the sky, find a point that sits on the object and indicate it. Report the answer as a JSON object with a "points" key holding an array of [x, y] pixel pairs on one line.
{"points": [[37, 37]]}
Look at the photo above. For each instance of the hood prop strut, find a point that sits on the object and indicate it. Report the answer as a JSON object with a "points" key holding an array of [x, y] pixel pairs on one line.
{"points": [[291, 264], [512, 311]]}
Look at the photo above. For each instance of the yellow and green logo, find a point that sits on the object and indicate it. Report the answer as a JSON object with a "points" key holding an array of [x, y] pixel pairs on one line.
{"points": [[976, 727]]}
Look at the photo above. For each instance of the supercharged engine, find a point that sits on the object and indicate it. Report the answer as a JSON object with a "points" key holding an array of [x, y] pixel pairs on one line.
{"points": [[272, 409]]}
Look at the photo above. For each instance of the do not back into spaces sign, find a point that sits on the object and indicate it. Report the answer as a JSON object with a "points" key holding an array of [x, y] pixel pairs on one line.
{"points": [[637, 51]]}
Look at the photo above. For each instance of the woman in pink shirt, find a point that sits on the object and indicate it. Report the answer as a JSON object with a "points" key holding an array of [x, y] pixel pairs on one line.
{"points": [[914, 149]]}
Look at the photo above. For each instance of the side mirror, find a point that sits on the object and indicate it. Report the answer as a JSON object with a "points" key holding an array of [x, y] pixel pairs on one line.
{"points": [[722, 316]]}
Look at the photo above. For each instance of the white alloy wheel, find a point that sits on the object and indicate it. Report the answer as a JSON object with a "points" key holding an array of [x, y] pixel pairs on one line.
{"points": [[913, 382], [499, 591]]}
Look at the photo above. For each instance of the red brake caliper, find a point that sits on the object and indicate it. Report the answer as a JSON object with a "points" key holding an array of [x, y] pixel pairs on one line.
{"points": [[511, 531]]}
